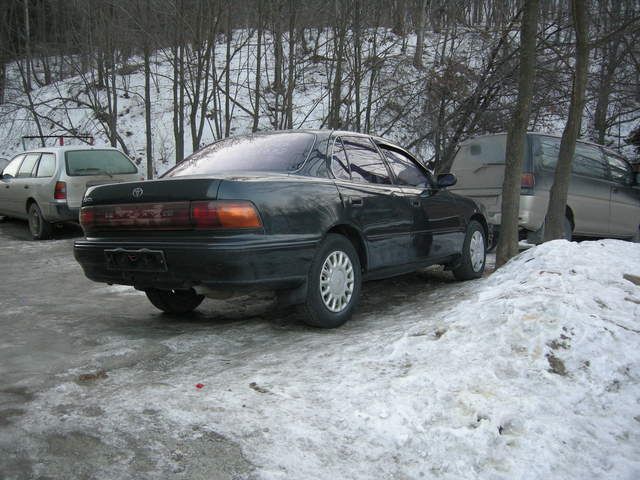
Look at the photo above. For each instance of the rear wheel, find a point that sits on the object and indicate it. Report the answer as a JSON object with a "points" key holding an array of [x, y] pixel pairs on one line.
{"points": [[334, 283], [537, 237], [174, 301], [40, 229], [474, 252]]}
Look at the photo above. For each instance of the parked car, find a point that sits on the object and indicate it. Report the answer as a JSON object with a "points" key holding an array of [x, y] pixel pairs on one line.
{"points": [[46, 186], [604, 195], [309, 214]]}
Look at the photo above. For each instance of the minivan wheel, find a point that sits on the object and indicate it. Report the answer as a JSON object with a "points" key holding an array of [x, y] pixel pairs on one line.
{"points": [[40, 229], [537, 237], [334, 282], [174, 301], [474, 253]]}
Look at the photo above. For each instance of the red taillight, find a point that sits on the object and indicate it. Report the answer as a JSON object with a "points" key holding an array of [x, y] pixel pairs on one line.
{"points": [[528, 180], [170, 216], [224, 214], [60, 192]]}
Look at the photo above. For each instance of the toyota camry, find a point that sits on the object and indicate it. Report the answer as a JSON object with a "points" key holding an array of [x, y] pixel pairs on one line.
{"points": [[306, 214]]}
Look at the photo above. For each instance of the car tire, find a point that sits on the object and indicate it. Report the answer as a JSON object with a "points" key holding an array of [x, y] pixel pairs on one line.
{"points": [[474, 253], [40, 229], [537, 237], [636, 237], [334, 283], [174, 301]]}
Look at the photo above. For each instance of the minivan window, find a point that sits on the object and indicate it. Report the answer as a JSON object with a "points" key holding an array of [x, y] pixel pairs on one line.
{"points": [[546, 151], [26, 168], [406, 172], [97, 162], [365, 163], [619, 169], [47, 165], [12, 168], [484, 150], [588, 160]]}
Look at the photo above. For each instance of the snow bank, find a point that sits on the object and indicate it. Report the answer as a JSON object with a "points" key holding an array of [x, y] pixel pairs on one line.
{"points": [[533, 372]]}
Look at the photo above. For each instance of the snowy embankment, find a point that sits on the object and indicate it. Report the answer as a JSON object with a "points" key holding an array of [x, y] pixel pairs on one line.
{"points": [[533, 373]]}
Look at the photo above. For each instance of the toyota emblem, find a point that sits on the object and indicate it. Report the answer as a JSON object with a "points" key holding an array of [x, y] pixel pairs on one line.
{"points": [[137, 192]]}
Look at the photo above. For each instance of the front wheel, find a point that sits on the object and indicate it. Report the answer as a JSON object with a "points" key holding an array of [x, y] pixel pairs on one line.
{"points": [[474, 253], [40, 229], [174, 301], [333, 286]]}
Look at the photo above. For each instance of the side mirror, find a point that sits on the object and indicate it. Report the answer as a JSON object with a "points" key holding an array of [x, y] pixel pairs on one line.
{"points": [[446, 180]]}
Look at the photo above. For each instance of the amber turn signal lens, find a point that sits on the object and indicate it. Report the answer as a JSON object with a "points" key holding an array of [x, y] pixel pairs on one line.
{"points": [[225, 214]]}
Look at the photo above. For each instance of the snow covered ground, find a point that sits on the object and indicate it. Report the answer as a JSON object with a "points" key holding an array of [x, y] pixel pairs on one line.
{"points": [[532, 372]]}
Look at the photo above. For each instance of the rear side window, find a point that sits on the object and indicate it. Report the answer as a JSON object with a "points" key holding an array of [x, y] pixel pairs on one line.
{"points": [[365, 163], [47, 165], [339, 163], [405, 170], [619, 169], [98, 162], [28, 165], [277, 152], [12, 168], [588, 160], [483, 150]]}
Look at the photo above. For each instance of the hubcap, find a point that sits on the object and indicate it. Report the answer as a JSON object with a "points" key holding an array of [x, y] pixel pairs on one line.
{"points": [[336, 281], [476, 251]]}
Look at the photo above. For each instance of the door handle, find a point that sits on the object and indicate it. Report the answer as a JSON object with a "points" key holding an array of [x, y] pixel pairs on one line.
{"points": [[614, 189], [355, 201], [415, 202], [26, 186], [6, 186]]}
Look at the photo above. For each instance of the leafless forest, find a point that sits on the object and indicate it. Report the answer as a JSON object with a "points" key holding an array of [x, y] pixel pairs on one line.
{"points": [[428, 73]]}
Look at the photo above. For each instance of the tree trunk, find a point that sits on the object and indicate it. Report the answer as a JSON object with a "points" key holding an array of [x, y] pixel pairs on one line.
{"points": [[27, 48], [516, 137], [556, 212], [417, 58], [147, 105], [256, 107]]}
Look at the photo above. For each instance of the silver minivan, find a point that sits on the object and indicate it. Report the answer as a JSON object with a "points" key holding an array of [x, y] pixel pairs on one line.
{"points": [[604, 195], [46, 186]]}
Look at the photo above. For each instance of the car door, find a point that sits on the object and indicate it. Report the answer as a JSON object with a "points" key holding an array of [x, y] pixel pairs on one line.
{"points": [[376, 206], [7, 205], [437, 226], [22, 187], [625, 198]]}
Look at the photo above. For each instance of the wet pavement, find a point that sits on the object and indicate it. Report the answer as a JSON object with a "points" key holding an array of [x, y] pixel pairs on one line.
{"points": [[74, 354]]}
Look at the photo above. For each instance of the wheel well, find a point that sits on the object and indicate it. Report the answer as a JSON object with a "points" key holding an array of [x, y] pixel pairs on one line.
{"points": [[569, 213], [480, 219], [354, 237], [29, 202]]}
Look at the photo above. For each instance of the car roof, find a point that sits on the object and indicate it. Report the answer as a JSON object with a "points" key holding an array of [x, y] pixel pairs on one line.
{"points": [[67, 148]]}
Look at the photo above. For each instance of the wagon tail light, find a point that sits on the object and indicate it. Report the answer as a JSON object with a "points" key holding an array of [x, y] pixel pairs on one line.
{"points": [[528, 181], [201, 215], [60, 192]]}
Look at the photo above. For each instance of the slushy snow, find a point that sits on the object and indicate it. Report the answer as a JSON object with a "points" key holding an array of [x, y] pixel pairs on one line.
{"points": [[530, 373]]}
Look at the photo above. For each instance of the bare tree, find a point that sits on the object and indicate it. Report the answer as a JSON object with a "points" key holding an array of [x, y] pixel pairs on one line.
{"points": [[516, 137], [556, 218]]}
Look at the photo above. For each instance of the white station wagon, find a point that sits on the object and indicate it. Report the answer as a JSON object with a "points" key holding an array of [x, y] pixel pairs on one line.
{"points": [[45, 186]]}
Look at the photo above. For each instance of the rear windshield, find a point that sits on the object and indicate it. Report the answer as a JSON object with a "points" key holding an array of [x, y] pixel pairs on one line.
{"points": [[98, 162], [276, 152]]}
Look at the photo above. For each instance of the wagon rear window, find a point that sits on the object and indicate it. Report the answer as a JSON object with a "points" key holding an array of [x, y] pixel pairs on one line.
{"points": [[278, 152], [98, 162]]}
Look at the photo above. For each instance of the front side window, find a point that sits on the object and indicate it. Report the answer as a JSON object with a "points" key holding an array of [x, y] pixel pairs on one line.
{"points": [[619, 169], [28, 165], [11, 170], [98, 162], [365, 163], [278, 152], [47, 165], [405, 170]]}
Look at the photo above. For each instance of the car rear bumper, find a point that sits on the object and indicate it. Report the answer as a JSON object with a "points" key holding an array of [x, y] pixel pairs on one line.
{"points": [[218, 265], [60, 212]]}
